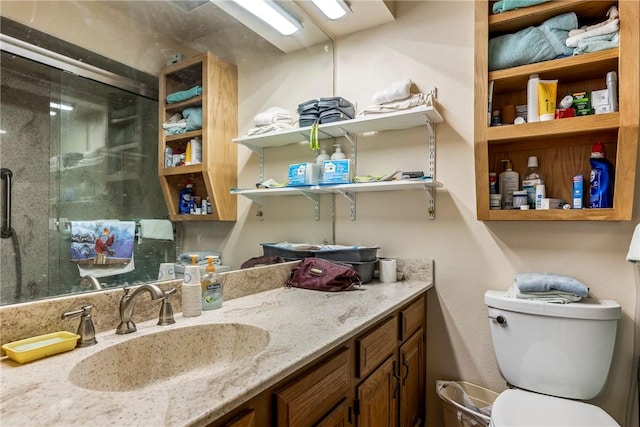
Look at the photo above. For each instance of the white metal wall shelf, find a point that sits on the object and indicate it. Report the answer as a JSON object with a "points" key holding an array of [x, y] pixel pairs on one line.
{"points": [[406, 119]]}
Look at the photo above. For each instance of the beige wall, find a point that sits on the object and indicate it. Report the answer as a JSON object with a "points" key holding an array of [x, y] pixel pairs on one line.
{"points": [[432, 43]]}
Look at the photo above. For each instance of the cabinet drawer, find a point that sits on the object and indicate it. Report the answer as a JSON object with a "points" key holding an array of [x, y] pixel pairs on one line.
{"points": [[313, 395], [411, 319], [376, 346]]}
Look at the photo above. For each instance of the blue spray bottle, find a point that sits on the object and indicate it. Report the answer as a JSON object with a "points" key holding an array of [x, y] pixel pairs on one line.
{"points": [[185, 196], [601, 179]]}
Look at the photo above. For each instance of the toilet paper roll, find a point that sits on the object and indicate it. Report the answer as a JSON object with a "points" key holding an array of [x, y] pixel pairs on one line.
{"points": [[191, 299], [167, 271], [388, 270]]}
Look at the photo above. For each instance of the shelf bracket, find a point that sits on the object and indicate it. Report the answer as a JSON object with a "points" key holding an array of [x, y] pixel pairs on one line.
{"points": [[315, 198], [351, 197], [431, 201]]}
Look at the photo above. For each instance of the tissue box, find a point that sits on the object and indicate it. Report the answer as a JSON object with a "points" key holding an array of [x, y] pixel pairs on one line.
{"points": [[548, 203], [304, 174], [339, 171]]}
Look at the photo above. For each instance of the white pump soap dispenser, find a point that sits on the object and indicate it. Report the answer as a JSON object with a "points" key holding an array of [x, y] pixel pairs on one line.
{"points": [[337, 153]]}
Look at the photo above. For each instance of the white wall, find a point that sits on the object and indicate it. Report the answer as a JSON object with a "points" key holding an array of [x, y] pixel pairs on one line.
{"points": [[432, 43]]}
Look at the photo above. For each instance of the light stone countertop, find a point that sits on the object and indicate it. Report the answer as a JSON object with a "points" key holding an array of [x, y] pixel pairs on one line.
{"points": [[302, 326]]}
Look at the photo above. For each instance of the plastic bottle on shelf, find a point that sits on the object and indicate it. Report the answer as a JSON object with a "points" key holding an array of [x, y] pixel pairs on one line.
{"points": [[211, 286], [337, 153], [184, 198], [601, 179], [322, 157], [508, 182], [532, 99], [612, 90], [531, 180]]}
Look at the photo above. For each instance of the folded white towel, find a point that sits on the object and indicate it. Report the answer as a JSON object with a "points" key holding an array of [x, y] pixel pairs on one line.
{"points": [[273, 115], [170, 125], [556, 297], [394, 92], [274, 127], [156, 229], [612, 14], [412, 101], [610, 27]]}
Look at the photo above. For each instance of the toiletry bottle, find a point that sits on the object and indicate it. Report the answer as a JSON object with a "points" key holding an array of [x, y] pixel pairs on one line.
{"points": [[184, 198], [532, 99], [508, 182], [337, 153], [531, 180], [601, 179], [211, 287], [322, 157], [612, 90]]}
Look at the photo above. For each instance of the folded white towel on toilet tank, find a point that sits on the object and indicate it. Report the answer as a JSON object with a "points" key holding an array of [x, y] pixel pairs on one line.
{"points": [[549, 282]]}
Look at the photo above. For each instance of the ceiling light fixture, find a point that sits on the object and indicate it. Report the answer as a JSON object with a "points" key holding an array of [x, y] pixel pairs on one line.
{"points": [[333, 9], [271, 13], [61, 106]]}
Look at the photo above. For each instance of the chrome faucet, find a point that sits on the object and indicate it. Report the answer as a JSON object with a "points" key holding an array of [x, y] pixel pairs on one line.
{"points": [[127, 304], [90, 281], [85, 329]]}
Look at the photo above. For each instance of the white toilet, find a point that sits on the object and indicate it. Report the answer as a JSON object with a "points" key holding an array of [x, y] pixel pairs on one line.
{"points": [[551, 354]]}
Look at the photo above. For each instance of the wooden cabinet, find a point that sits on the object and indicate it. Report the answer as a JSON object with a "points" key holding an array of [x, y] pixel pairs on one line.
{"points": [[394, 393], [562, 146], [313, 396], [376, 378], [216, 175]]}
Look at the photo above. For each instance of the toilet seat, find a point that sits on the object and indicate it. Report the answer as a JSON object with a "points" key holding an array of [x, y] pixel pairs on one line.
{"points": [[524, 408]]}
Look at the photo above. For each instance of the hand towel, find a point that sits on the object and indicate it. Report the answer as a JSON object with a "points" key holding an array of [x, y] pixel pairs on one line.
{"points": [[183, 95], [634, 248], [156, 229], [597, 43], [505, 5], [610, 27], [194, 118], [274, 127], [556, 297], [412, 101], [106, 270], [394, 92], [532, 44], [102, 242], [546, 282]]}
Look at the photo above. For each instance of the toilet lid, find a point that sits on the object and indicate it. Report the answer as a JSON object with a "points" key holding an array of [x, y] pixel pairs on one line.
{"points": [[524, 408]]}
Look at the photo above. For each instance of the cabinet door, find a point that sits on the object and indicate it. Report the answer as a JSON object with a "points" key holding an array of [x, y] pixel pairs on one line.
{"points": [[412, 383], [339, 417], [378, 397], [246, 420], [376, 346], [311, 397]]}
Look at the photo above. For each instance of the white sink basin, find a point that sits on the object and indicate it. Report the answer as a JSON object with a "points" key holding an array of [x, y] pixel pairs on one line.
{"points": [[211, 349]]}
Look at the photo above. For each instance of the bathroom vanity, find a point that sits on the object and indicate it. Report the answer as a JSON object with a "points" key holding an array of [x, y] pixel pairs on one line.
{"points": [[283, 356]]}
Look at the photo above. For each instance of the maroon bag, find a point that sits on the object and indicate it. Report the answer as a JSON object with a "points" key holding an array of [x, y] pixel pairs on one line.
{"points": [[323, 275]]}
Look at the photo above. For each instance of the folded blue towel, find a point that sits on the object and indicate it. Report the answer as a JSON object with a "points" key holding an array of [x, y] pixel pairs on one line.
{"points": [[183, 95], [194, 118], [533, 44], [548, 282], [504, 5]]}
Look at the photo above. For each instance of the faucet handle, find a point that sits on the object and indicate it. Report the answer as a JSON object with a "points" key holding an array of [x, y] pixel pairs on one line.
{"points": [[85, 329], [166, 309]]}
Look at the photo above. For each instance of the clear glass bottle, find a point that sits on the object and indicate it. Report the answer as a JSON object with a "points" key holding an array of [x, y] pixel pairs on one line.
{"points": [[211, 287]]}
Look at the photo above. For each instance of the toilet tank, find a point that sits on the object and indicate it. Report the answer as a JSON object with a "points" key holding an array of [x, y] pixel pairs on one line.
{"points": [[562, 350]]}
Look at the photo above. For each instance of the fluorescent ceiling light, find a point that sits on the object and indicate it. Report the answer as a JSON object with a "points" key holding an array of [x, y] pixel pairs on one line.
{"points": [[272, 14], [61, 106], [333, 9]]}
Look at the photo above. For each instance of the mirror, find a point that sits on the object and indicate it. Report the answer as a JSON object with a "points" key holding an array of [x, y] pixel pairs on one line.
{"points": [[75, 165]]}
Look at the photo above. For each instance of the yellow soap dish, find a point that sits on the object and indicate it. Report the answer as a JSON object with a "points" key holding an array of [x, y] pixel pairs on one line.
{"points": [[34, 348]]}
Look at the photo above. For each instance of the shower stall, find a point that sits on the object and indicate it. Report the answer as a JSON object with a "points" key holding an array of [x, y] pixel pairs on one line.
{"points": [[76, 144]]}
